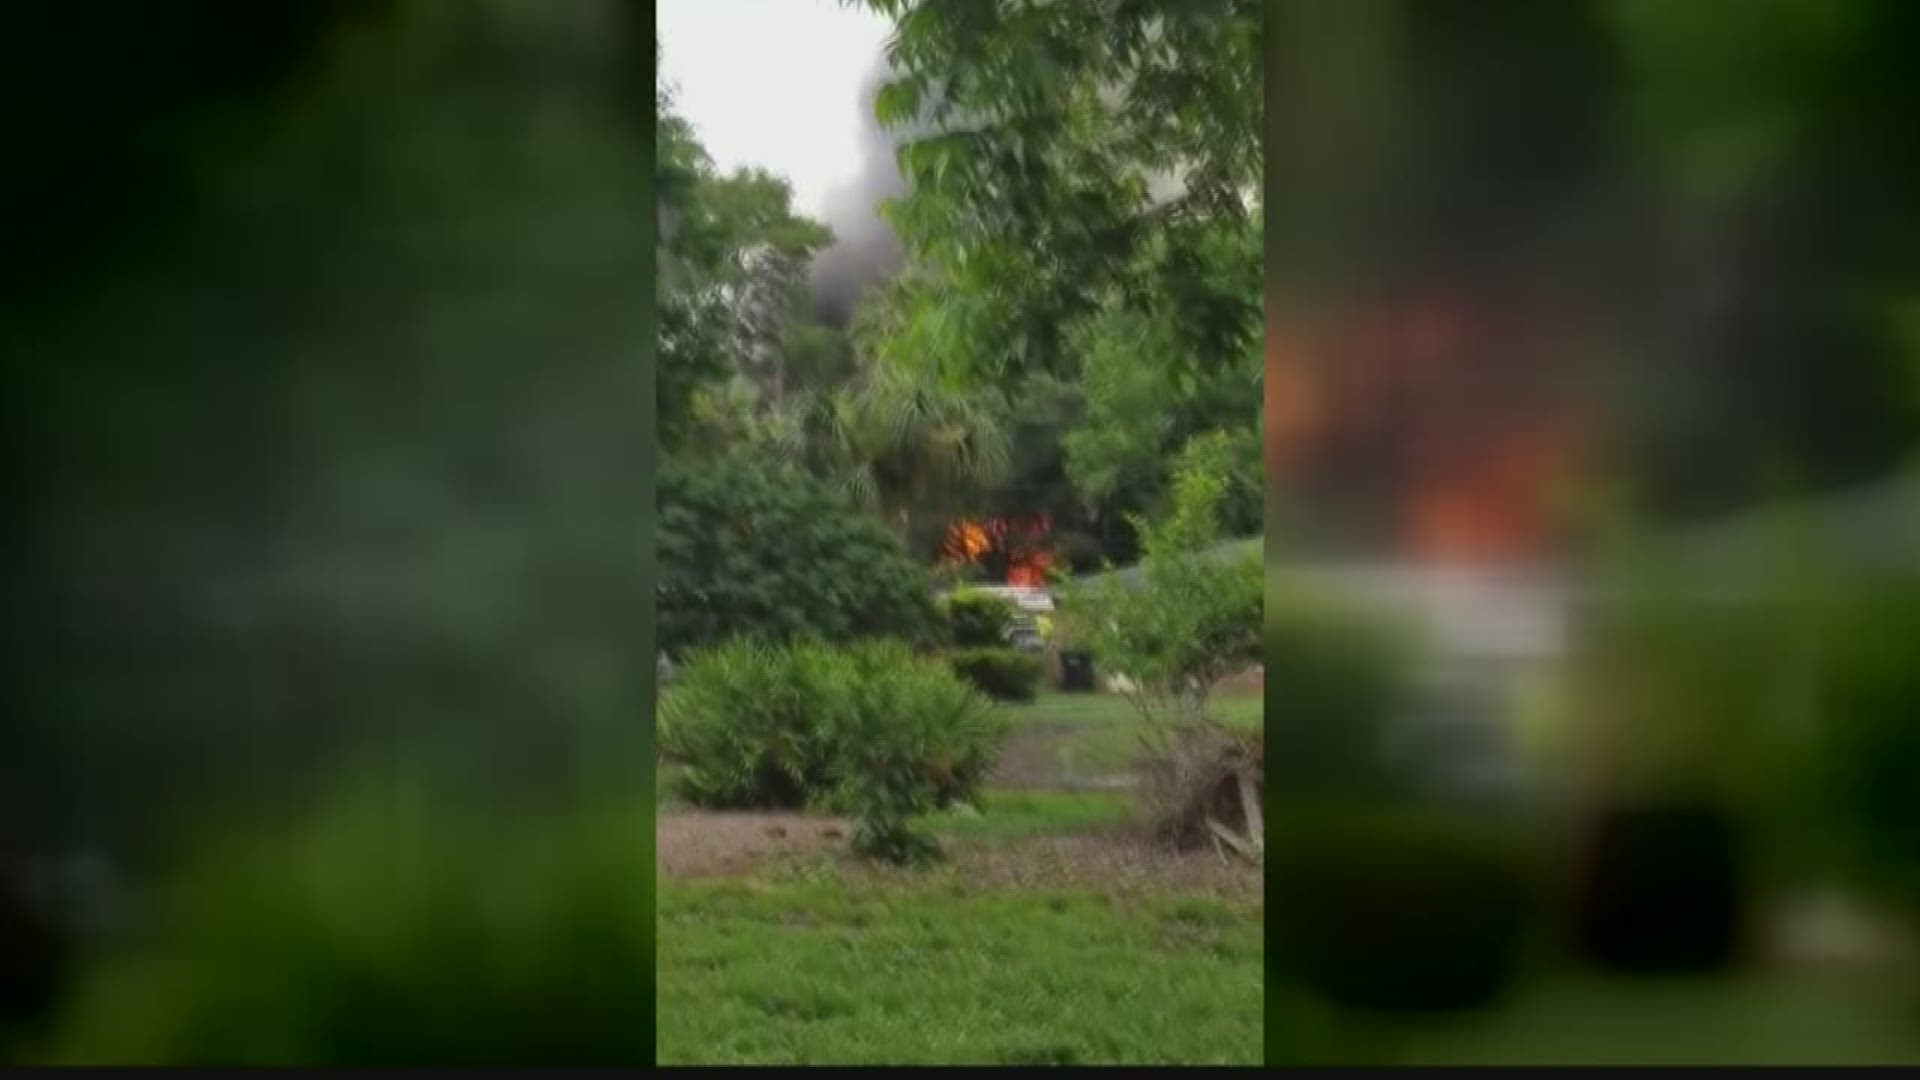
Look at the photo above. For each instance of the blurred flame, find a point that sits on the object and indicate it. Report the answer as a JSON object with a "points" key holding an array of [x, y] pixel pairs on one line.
{"points": [[1024, 545], [1435, 397], [1495, 505], [967, 541]]}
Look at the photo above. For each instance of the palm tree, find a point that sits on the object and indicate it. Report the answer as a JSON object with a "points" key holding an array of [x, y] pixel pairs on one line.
{"points": [[901, 442]]}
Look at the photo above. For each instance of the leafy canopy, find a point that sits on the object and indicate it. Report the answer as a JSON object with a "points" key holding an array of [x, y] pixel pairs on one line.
{"points": [[1193, 619], [731, 257], [1066, 155], [749, 546]]}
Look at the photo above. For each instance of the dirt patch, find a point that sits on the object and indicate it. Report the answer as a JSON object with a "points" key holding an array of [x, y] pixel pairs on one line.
{"points": [[1251, 682], [1115, 862], [714, 843]]}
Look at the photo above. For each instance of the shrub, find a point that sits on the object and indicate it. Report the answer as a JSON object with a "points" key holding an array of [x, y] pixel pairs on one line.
{"points": [[916, 738], [390, 931], [1694, 698], [977, 620], [745, 548], [1337, 676], [1398, 911], [1001, 674], [1189, 620], [1869, 701], [38, 954], [787, 726], [754, 725], [1692, 695], [1661, 890]]}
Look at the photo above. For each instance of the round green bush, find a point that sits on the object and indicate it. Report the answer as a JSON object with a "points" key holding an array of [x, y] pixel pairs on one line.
{"points": [[1397, 910], [976, 620], [784, 726], [1337, 676], [755, 725], [1869, 700], [746, 548], [916, 738], [1001, 674], [390, 930]]}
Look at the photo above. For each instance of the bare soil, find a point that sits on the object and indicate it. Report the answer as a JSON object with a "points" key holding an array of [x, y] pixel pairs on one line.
{"points": [[1115, 862], [710, 843], [1253, 680]]}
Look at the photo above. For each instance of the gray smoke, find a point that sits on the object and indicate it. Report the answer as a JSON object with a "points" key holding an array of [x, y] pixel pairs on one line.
{"points": [[865, 250]]}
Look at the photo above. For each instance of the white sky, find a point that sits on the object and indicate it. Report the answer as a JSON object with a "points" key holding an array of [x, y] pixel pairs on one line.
{"points": [[773, 83]]}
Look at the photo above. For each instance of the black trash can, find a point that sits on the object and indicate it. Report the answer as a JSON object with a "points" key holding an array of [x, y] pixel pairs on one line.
{"points": [[1076, 672], [1663, 889]]}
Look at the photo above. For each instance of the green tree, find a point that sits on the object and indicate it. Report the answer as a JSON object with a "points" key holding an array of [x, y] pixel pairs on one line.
{"points": [[915, 448], [1071, 150], [731, 256], [1082, 202], [1141, 404], [1191, 619], [752, 546]]}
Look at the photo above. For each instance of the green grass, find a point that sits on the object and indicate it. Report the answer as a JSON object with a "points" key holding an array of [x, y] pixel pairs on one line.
{"points": [[1096, 735], [1779, 1019], [814, 972], [811, 967], [1112, 710], [1019, 815]]}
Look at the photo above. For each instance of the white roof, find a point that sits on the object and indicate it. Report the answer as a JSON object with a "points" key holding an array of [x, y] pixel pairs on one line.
{"points": [[1494, 612], [1027, 597]]}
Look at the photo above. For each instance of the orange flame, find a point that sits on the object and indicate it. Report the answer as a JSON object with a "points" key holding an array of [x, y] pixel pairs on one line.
{"points": [[1438, 398], [1495, 506], [1023, 545]]}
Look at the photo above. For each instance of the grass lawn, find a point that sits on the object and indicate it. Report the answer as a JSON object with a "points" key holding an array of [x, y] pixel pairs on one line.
{"points": [[753, 971], [1085, 737], [1571, 1018], [1111, 710], [1771, 1019], [998, 957], [1019, 815]]}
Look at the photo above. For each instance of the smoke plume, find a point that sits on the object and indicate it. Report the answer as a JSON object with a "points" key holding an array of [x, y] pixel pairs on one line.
{"points": [[865, 250]]}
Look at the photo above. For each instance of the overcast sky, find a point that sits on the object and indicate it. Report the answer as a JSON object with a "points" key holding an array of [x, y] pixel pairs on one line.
{"points": [[773, 83]]}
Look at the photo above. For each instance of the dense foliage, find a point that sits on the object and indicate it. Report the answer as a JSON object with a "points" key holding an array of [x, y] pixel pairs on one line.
{"points": [[325, 407], [1337, 678], [748, 547], [1082, 227], [390, 931], [976, 620], [1002, 674], [1869, 701], [1190, 619], [915, 739], [749, 725], [872, 728], [731, 257], [1399, 910], [1041, 179]]}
